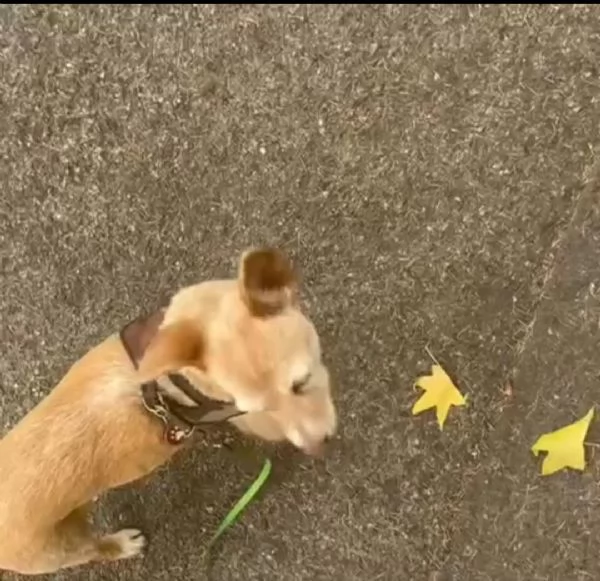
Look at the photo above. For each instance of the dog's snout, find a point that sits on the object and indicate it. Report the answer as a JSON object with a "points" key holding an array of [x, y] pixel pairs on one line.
{"points": [[317, 449]]}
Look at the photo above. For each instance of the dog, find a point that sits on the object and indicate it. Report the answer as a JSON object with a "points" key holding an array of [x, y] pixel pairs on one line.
{"points": [[238, 351]]}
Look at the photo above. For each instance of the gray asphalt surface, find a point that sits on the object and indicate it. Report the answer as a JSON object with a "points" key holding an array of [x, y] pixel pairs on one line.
{"points": [[431, 170]]}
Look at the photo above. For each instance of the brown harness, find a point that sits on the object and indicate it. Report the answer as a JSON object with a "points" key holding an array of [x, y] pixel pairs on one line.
{"points": [[179, 420]]}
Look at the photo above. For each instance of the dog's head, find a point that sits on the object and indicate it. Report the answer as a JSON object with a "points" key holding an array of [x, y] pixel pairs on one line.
{"points": [[248, 341]]}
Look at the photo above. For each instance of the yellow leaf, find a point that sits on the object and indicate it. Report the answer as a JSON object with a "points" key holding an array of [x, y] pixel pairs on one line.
{"points": [[440, 393], [564, 446]]}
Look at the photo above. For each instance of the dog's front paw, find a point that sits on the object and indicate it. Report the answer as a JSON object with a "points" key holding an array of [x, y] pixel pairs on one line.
{"points": [[126, 543]]}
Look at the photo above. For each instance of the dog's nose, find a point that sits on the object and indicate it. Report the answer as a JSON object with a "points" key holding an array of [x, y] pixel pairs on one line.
{"points": [[317, 449]]}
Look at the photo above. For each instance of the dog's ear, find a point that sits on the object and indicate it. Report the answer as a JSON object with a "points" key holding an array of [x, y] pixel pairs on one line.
{"points": [[267, 280], [175, 346], [138, 334]]}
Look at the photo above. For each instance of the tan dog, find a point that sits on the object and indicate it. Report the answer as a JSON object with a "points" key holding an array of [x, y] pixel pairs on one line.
{"points": [[106, 424]]}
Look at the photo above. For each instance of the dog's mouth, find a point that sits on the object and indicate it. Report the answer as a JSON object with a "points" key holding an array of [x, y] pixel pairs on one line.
{"points": [[311, 446], [315, 450]]}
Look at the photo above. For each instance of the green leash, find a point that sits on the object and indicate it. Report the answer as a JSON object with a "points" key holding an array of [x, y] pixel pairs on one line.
{"points": [[242, 503]]}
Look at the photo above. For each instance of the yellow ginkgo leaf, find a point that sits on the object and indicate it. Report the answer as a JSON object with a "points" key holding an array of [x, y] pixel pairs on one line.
{"points": [[564, 446], [440, 393]]}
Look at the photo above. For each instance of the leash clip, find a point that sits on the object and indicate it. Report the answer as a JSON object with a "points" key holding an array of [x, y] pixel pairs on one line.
{"points": [[154, 402]]}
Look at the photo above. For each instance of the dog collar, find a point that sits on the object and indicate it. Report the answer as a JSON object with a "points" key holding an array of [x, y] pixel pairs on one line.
{"points": [[180, 421]]}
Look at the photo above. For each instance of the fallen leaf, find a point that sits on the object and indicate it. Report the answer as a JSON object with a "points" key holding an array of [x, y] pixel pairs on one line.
{"points": [[564, 446], [440, 393]]}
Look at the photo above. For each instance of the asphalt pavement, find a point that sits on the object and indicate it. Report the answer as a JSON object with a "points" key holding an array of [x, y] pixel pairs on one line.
{"points": [[432, 171]]}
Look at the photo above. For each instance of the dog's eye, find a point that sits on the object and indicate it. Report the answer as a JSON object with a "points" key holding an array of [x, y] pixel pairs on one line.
{"points": [[299, 385]]}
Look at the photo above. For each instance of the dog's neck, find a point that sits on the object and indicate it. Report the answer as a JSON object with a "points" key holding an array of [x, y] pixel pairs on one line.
{"points": [[180, 387], [174, 398]]}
